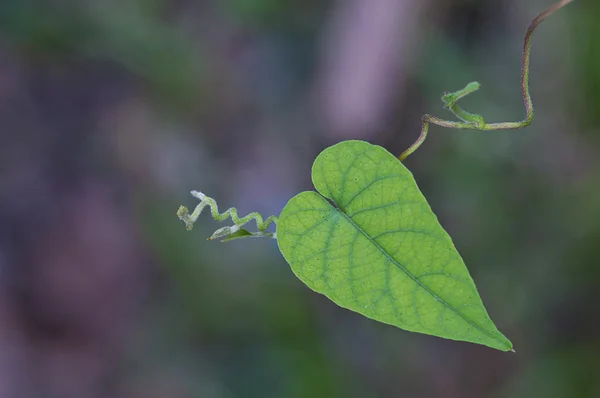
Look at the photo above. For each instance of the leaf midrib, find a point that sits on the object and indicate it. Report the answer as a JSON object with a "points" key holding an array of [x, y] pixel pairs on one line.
{"points": [[411, 276]]}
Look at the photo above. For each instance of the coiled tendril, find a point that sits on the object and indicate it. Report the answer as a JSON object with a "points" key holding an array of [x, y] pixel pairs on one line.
{"points": [[227, 233]]}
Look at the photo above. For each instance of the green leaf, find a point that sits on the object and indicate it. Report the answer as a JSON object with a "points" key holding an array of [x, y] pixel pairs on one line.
{"points": [[242, 233], [370, 242]]}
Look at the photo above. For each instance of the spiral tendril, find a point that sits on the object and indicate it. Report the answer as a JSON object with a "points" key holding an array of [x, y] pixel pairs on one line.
{"points": [[230, 232]]}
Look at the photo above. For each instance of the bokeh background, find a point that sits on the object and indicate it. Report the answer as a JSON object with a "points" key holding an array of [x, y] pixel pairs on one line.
{"points": [[112, 111]]}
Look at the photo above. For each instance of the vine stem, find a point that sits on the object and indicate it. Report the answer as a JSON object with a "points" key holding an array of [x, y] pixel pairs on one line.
{"points": [[471, 121], [233, 232]]}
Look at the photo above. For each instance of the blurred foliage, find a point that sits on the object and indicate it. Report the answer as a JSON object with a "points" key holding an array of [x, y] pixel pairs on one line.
{"points": [[587, 37], [133, 35]]}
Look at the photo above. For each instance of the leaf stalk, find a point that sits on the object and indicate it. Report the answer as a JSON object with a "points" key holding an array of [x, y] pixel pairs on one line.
{"points": [[470, 121]]}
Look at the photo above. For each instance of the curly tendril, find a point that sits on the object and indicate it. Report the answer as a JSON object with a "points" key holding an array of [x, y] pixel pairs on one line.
{"points": [[227, 233]]}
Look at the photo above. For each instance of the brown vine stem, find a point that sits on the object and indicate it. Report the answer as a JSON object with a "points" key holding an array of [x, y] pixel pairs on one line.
{"points": [[471, 121]]}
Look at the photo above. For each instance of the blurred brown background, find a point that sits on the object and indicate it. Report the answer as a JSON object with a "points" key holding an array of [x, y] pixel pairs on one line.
{"points": [[112, 111]]}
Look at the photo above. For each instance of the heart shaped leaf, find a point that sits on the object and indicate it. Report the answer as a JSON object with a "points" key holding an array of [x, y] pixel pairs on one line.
{"points": [[370, 242]]}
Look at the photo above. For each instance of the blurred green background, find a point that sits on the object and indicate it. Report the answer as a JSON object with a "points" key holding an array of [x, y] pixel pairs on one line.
{"points": [[112, 111]]}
